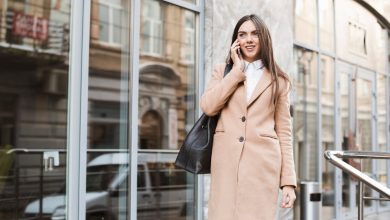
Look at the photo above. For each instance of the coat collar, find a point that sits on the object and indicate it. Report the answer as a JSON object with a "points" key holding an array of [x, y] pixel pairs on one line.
{"points": [[263, 83]]}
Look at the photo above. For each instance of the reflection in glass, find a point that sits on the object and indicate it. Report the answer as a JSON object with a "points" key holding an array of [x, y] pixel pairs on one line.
{"points": [[151, 28], [360, 37], [305, 22], [108, 76], [107, 186], [364, 128], [166, 109], [108, 103], [363, 119], [347, 138], [356, 118], [167, 78], [164, 191], [103, 16], [107, 20], [326, 24], [327, 136], [305, 110], [34, 47], [382, 89], [381, 50]]}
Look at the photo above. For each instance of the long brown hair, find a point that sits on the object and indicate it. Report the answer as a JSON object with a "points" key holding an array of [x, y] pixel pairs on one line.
{"points": [[266, 51]]}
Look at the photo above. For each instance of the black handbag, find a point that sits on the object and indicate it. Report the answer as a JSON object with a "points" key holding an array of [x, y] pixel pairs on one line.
{"points": [[195, 153]]}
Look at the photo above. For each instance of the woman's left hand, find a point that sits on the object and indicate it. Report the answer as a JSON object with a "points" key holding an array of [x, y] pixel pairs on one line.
{"points": [[288, 197]]}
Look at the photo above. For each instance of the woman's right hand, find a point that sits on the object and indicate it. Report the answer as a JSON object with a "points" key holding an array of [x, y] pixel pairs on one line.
{"points": [[238, 62]]}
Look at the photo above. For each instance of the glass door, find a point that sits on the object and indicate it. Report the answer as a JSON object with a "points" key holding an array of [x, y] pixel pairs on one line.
{"points": [[34, 48], [365, 118], [108, 152], [345, 75], [356, 119], [166, 110], [382, 91]]}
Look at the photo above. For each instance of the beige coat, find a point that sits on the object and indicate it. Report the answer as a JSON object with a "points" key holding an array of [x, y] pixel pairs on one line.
{"points": [[252, 152]]}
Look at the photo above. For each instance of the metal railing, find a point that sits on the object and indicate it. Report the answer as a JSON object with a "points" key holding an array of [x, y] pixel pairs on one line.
{"points": [[335, 158]]}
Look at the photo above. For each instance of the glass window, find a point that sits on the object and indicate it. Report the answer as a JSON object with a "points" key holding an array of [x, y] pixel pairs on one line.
{"points": [[360, 39], [364, 125], [151, 27], [356, 99], [165, 92], [168, 190], [116, 29], [380, 48], [188, 46], [327, 136], [104, 23], [166, 109], [141, 182], [305, 21], [382, 90], [326, 24], [304, 112], [34, 61], [345, 94], [364, 99], [108, 115], [108, 21]]}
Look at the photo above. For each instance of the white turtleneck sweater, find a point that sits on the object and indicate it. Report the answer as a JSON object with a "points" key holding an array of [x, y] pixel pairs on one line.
{"points": [[253, 72]]}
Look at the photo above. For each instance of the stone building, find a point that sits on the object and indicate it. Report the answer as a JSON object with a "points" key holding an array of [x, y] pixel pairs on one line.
{"points": [[96, 98]]}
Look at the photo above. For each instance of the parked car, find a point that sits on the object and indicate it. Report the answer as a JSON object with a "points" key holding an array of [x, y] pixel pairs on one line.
{"points": [[164, 191]]}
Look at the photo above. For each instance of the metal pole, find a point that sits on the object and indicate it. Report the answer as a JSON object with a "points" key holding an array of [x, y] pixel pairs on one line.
{"points": [[361, 205], [41, 188], [17, 167]]}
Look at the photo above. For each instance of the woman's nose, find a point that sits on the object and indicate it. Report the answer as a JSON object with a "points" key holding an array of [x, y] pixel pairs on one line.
{"points": [[249, 38]]}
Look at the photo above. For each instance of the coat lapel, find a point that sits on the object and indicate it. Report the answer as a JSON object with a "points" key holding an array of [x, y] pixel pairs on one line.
{"points": [[241, 93], [263, 83]]}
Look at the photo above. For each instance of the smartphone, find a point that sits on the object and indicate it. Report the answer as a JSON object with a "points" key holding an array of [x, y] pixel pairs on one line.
{"points": [[239, 53]]}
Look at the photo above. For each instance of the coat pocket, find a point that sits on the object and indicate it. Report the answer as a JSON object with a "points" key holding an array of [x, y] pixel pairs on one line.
{"points": [[269, 136]]}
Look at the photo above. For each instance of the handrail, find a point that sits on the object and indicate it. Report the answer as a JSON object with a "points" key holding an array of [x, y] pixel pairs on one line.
{"points": [[334, 158], [362, 154]]}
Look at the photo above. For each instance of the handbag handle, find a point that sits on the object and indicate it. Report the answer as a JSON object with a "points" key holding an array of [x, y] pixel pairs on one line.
{"points": [[228, 67]]}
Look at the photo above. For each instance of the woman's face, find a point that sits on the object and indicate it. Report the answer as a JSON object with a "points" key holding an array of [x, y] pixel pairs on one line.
{"points": [[249, 41]]}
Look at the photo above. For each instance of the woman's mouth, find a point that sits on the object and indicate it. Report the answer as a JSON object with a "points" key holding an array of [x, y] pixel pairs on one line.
{"points": [[250, 48]]}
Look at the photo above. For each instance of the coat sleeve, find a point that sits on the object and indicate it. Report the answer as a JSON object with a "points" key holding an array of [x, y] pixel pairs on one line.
{"points": [[283, 130], [219, 89]]}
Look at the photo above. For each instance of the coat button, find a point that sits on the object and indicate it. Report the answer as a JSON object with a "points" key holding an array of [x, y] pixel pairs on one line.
{"points": [[243, 119], [241, 139]]}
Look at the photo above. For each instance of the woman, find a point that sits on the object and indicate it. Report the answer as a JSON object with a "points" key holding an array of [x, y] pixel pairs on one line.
{"points": [[252, 152]]}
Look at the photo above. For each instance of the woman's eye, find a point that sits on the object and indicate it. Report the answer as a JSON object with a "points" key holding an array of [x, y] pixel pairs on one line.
{"points": [[256, 34]]}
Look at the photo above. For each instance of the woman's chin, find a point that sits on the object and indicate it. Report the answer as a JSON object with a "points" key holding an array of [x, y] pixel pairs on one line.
{"points": [[250, 57]]}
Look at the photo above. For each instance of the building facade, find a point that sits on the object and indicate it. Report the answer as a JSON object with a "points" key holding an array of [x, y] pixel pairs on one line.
{"points": [[96, 98]]}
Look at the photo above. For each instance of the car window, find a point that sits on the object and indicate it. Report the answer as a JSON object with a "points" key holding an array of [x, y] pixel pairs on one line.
{"points": [[141, 177], [100, 177], [166, 176]]}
